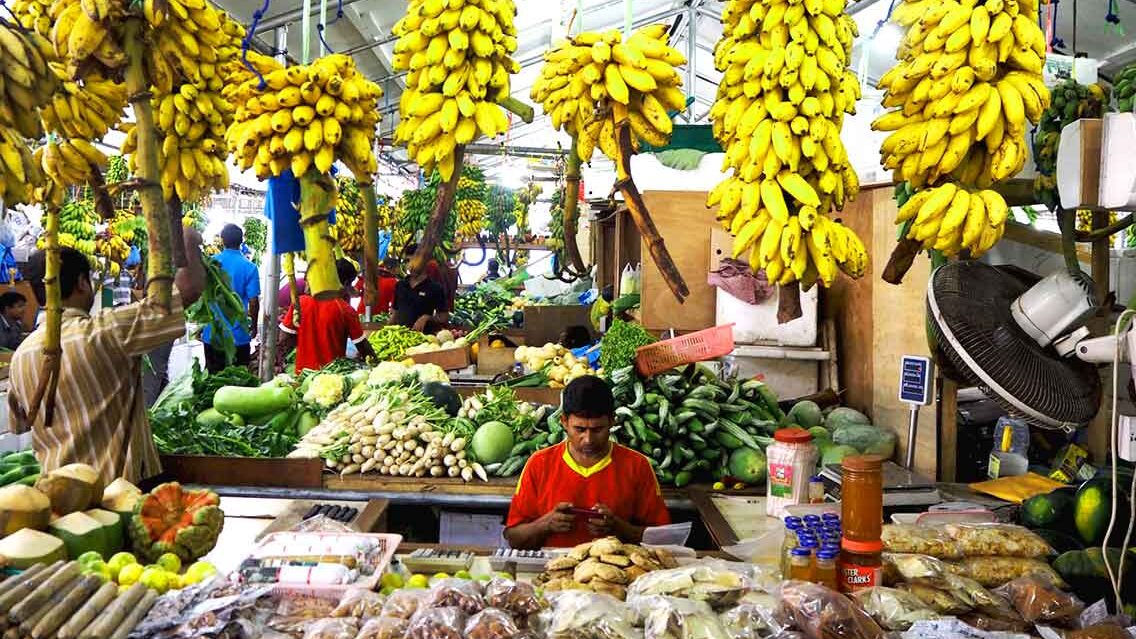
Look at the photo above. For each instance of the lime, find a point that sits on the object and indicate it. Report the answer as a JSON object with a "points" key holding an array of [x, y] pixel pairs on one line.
{"points": [[129, 574], [199, 572], [463, 574], [170, 562], [418, 581], [718, 486], [88, 558], [392, 580], [441, 575], [155, 578]]}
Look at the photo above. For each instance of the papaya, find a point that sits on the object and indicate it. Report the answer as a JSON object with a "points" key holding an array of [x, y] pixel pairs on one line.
{"points": [[1051, 510], [1092, 510]]}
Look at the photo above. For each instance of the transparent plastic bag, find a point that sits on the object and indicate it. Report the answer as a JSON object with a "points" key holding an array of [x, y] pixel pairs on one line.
{"points": [[1001, 540], [402, 604], [383, 628], [719, 583], [359, 602], [322, 524], [576, 614], [332, 629], [992, 572], [671, 618], [437, 623], [937, 599], [1038, 601], [491, 623], [920, 540], [461, 593], [910, 568], [515, 597], [752, 618], [821, 613], [1100, 631], [893, 609], [995, 623]]}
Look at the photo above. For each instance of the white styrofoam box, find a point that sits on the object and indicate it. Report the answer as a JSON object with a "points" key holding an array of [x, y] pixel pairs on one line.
{"points": [[755, 324], [1123, 274], [791, 377], [11, 442], [652, 175], [1059, 68], [471, 529]]}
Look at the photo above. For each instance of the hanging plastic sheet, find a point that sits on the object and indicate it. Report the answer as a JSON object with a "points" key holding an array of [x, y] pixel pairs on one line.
{"points": [[282, 208]]}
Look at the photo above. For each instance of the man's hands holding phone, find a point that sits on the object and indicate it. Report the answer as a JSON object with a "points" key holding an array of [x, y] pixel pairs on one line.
{"points": [[558, 520]]}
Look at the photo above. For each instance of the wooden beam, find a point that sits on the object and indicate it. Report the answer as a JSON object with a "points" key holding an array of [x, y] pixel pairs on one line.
{"points": [[948, 430], [1099, 429]]}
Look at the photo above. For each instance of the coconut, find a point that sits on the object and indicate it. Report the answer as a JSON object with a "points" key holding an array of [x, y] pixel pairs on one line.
{"points": [[72, 488], [23, 507], [120, 497], [26, 548]]}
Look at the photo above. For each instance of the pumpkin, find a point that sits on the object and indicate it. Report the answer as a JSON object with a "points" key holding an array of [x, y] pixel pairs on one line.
{"points": [[173, 519]]}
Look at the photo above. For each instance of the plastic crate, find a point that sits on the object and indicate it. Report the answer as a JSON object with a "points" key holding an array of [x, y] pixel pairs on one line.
{"points": [[687, 349]]}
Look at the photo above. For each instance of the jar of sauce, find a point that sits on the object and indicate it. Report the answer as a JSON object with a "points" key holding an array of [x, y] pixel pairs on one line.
{"points": [[801, 564], [862, 515]]}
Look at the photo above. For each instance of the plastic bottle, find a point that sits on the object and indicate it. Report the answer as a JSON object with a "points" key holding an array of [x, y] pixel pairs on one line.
{"points": [[862, 515], [1009, 457], [792, 461]]}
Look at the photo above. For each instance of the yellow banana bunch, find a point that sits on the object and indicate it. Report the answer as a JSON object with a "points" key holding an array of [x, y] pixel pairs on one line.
{"points": [[307, 116], [112, 248], [26, 82], [19, 172], [457, 54], [471, 218], [35, 15], [77, 220], [88, 31], [193, 43], [780, 107], [69, 162], [348, 228], [582, 77], [85, 108], [968, 81], [191, 125], [122, 225], [949, 218]]}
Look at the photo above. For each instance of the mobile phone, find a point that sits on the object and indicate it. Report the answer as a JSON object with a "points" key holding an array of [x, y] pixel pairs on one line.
{"points": [[586, 512]]}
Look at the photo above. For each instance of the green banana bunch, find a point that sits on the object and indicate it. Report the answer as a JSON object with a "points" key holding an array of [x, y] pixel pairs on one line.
{"points": [[1125, 89], [1070, 101]]}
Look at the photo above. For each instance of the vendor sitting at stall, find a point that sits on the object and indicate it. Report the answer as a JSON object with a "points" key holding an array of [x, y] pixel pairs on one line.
{"points": [[585, 472]]}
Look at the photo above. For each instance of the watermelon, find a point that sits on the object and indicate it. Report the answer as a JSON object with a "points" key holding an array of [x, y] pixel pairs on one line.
{"points": [[1051, 510], [805, 414], [835, 454]]}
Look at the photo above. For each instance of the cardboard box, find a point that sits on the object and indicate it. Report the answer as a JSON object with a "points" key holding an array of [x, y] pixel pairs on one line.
{"points": [[492, 361], [544, 324], [451, 359]]}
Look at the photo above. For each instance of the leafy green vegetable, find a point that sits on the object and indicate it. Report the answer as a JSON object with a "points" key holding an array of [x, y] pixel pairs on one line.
{"points": [[219, 307], [618, 346]]}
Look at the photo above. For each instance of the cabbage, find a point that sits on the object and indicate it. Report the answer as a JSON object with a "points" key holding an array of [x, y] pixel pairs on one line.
{"points": [[430, 373], [386, 372]]}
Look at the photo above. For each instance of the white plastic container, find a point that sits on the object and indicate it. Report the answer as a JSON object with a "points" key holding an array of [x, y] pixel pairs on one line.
{"points": [[757, 324], [792, 460]]}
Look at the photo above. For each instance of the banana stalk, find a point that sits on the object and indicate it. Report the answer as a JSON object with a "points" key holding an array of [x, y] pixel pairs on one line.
{"points": [[517, 108], [52, 347], [434, 227], [177, 240], [639, 213], [317, 196], [370, 245], [571, 213], [159, 265]]}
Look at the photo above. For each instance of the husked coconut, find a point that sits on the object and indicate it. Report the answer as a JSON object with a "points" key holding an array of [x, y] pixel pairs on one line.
{"points": [[23, 507], [71, 488]]}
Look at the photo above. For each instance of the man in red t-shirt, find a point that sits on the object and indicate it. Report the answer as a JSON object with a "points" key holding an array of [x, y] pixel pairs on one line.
{"points": [[586, 471], [327, 321]]}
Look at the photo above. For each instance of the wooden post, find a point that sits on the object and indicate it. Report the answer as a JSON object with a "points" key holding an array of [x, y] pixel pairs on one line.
{"points": [[948, 430], [1099, 429], [370, 247]]}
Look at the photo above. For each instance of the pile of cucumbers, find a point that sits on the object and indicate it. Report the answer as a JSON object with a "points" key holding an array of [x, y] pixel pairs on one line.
{"points": [[18, 467]]}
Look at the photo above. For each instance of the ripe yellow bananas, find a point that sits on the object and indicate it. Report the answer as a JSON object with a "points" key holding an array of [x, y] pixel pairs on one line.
{"points": [[962, 114], [270, 136], [26, 82], [70, 162], [780, 105], [949, 219], [457, 54], [584, 76]]}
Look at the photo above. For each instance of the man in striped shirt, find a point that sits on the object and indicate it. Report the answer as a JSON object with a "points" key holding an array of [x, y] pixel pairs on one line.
{"points": [[99, 414]]}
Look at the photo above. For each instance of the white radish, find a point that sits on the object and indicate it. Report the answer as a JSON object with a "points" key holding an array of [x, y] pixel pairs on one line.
{"points": [[463, 463], [368, 451], [437, 471], [458, 444], [449, 460], [479, 471], [404, 470], [419, 452], [460, 454], [447, 440], [368, 465], [453, 471], [353, 468], [467, 474]]}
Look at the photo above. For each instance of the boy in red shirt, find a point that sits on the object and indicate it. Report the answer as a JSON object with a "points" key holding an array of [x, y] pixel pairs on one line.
{"points": [[586, 471], [327, 321]]}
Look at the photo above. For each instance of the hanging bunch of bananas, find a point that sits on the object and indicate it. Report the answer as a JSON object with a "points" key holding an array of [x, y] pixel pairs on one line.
{"points": [[19, 171], [968, 80], [1124, 88], [470, 209], [69, 161], [307, 116], [85, 108], [113, 248], [26, 81], [1070, 101], [523, 202], [457, 54], [77, 220], [556, 222], [778, 115], [192, 215], [471, 218], [123, 225], [348, 228], [583, 76], [401, 234]]}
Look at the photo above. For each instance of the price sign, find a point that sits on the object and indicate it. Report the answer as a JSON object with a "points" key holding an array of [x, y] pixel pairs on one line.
{"points": [[915, 381]]}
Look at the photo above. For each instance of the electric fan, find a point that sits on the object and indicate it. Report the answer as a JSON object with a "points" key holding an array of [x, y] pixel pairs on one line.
{"points": [[1007, 333]]}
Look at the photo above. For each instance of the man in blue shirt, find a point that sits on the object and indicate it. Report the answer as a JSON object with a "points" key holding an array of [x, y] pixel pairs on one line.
{"points": [[245, 279]]}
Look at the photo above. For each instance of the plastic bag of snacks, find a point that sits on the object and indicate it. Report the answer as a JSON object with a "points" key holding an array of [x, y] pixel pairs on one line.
{"points": [[332, 629], [383, 628], [518, 598], [936, 599], [359, 602], [752, 618], [491, 623], [402, 604], [998, 540], [720, 584], [460, 593], [821, 613], [577, 614], [436, 623], [920, 540], [1039, 601], [908, 568], [671, 618], [996, 571], [893, 609]]}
